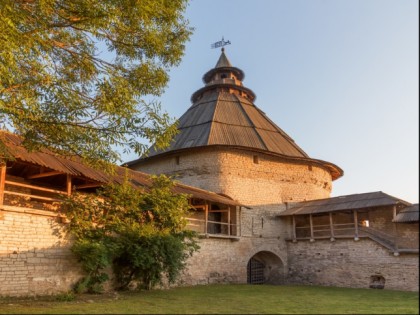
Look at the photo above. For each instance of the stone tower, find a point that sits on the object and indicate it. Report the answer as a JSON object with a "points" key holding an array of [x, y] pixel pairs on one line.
{"points": [[228, 145]]}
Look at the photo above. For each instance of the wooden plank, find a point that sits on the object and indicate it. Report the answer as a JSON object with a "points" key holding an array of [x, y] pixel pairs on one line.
{"points": [[68, 185], [32, 211], [229, 226], [198, 206], [31, 196], [395, 230], [312, 227], [206, 217], [238, 219], [2, 181], [35, 187], [331, 227], [356, 226], [46, 174], [89, 185]]}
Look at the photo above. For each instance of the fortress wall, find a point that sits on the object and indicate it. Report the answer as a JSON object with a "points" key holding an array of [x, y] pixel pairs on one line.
{"points": [[225, 261], [349, 263], [35, 256]]}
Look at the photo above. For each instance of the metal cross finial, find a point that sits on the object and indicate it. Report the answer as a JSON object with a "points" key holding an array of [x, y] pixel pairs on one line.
{"points": [[220, 43]]}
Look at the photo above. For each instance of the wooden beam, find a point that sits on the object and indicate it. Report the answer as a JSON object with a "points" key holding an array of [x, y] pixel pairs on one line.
{"points": [[2, 182], [89, 185], [229, 222], [47, 174], [239, 221], [356, 226], [395, 230], [294, 228], [311, 225], [68, 185], [332, 228], [206, 215], [32, 211], [34, 187], [32, 196]]}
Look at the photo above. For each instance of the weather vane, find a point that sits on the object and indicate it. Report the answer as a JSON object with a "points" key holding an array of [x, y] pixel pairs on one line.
{"points": [[220, 43]]}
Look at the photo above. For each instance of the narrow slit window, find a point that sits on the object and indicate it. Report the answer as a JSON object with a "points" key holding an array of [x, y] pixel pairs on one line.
{"points": [[177, 160], [256, 159]]}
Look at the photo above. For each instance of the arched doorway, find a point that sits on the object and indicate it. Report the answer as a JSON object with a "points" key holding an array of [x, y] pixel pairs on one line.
{"points": [[265, 267]]}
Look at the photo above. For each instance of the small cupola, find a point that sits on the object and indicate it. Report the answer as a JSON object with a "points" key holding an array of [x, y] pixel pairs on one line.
{"points": [[224, 77]]}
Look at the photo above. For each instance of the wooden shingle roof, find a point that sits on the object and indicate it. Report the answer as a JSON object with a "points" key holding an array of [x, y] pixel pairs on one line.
{"points": [[221, 118], [73, 166], [223, 114], [408, 215], [343, 203]]}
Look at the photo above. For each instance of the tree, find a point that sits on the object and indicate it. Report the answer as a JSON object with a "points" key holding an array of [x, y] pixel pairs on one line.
{"points": [[58, 91], [141, 234]]}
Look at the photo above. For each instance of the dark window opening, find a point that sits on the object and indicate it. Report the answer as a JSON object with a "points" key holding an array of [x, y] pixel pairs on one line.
{"points": [[177, 160], [214, 219], [256, 159], [377, 282]]}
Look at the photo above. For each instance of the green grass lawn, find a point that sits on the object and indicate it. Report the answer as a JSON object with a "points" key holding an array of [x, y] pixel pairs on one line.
{"points": [[226, 299]]}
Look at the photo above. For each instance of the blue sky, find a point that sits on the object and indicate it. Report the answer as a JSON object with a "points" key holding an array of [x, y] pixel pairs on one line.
{"points": [[340, 77]]}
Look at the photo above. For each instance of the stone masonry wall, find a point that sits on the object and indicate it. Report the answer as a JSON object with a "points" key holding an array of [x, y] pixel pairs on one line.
{"points": [[349, 263], [35, 256], [225, 261], [249, 177]]}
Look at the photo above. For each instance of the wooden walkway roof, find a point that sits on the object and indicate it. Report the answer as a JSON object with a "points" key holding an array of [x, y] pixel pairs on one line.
{"points": [[408, 215], [72, 166], [343, 203]]}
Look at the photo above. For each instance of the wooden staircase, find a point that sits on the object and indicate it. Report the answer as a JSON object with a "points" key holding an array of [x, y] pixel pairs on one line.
{"points": [[382, 238]]}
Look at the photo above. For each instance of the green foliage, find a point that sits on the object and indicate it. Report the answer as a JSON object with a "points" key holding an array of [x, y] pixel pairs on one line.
{"points": [[65, 297], [94, 256], [140, 234], [58, 89]]}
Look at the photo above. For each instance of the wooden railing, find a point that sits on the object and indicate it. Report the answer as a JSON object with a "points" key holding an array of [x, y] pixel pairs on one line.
{"points": [[324, 231], [25, 197], [208, 227], [349, 230]]}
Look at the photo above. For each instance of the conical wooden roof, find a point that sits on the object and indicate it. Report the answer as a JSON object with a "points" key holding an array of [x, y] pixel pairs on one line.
{"points": [[223, 114]]}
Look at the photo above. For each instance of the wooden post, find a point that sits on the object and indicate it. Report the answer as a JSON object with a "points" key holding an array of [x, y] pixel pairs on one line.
{"points": [[312, 228], [229, 220], [206, 214], [332, 228], [356, 227], [294, 228], [239, 221], [2, 182], [396, 253], [68, 185]]}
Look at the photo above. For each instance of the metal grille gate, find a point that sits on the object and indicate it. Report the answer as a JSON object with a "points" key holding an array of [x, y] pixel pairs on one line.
{"points": [[255, 272]]}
